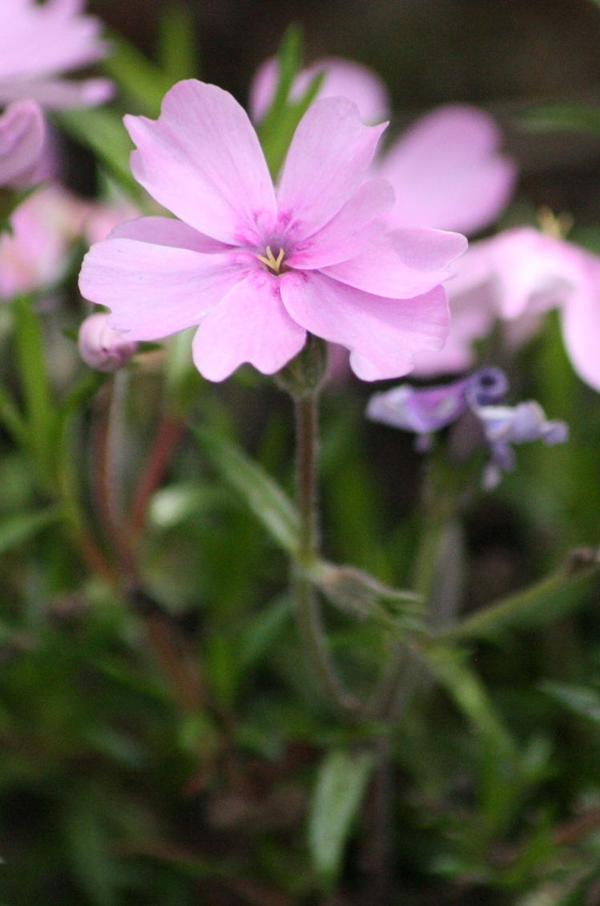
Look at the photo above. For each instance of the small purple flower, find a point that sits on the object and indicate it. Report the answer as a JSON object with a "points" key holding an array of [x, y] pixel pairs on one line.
{"points": [[426, 410], [503, 426]]}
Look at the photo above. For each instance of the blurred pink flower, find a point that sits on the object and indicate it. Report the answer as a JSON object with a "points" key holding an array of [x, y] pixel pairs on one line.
{"points": [[516, 278], [103, 217], [257, 268], [446, 169], [342, 78], [101, 347], [22, 143], [34, 254], [40, 42]]}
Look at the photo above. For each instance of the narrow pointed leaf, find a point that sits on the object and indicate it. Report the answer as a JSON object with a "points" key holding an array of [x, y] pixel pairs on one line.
{"points": [[256, 488], [15, 530], [340, 788]]}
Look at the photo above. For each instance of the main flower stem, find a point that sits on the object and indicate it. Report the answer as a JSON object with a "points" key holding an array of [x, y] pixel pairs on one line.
{"points": [[308, 611]]}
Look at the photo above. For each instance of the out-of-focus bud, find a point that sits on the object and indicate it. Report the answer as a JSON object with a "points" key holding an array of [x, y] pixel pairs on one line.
{"points": [[22, 144], [486, 387], [103, 348]]}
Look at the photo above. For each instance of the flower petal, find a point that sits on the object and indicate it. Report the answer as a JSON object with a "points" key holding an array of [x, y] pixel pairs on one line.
{"points": [[447, 172], [580, 319], [382, 334], [343, 78], [167, 231], [202, 160], [419, 409], [249, 325], [22, 141], [345, 236], [401, 264], [43, 39], [58, 94], [328, 160], [155, 290]]}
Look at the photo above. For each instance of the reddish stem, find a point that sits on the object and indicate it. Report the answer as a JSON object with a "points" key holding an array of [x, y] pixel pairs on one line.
{"points": [[168, 436]]}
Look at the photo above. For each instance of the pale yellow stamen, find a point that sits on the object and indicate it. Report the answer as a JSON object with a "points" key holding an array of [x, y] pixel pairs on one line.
{"points": [[558, 226], [270, 261]]}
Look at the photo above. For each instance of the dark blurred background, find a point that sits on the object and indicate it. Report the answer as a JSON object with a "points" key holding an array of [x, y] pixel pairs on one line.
{"points": [[502, 54]]}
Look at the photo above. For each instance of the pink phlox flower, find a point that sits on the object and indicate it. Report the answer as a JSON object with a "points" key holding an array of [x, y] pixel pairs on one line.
{"points": [[255, 267], [515, 278], [106, 216], [34, 254], [447, 169], [41, 42]]}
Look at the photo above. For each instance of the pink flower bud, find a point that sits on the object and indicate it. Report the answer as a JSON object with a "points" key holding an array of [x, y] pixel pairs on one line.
{"points": [[101, 347]]}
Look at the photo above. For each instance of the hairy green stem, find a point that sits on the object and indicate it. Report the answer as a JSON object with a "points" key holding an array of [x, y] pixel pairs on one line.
{"points": [[308, 611]]}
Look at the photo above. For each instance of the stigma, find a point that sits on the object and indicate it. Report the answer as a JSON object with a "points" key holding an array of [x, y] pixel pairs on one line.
{"points": [[269, 260]]}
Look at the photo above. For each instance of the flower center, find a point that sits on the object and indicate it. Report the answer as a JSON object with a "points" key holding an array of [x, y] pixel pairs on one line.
{"points": [[274, 264]]}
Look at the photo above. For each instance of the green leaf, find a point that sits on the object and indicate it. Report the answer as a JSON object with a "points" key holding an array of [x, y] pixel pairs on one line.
{"points": [[15, 530], [143, 81], [87, 846], [580, 699], [340, 787], [279, 124], [563, 117], [10, 417], [463, 685], [177, 45], [547, 600], [260, 492], [263, 630], [104, 134], [31, 364]]}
